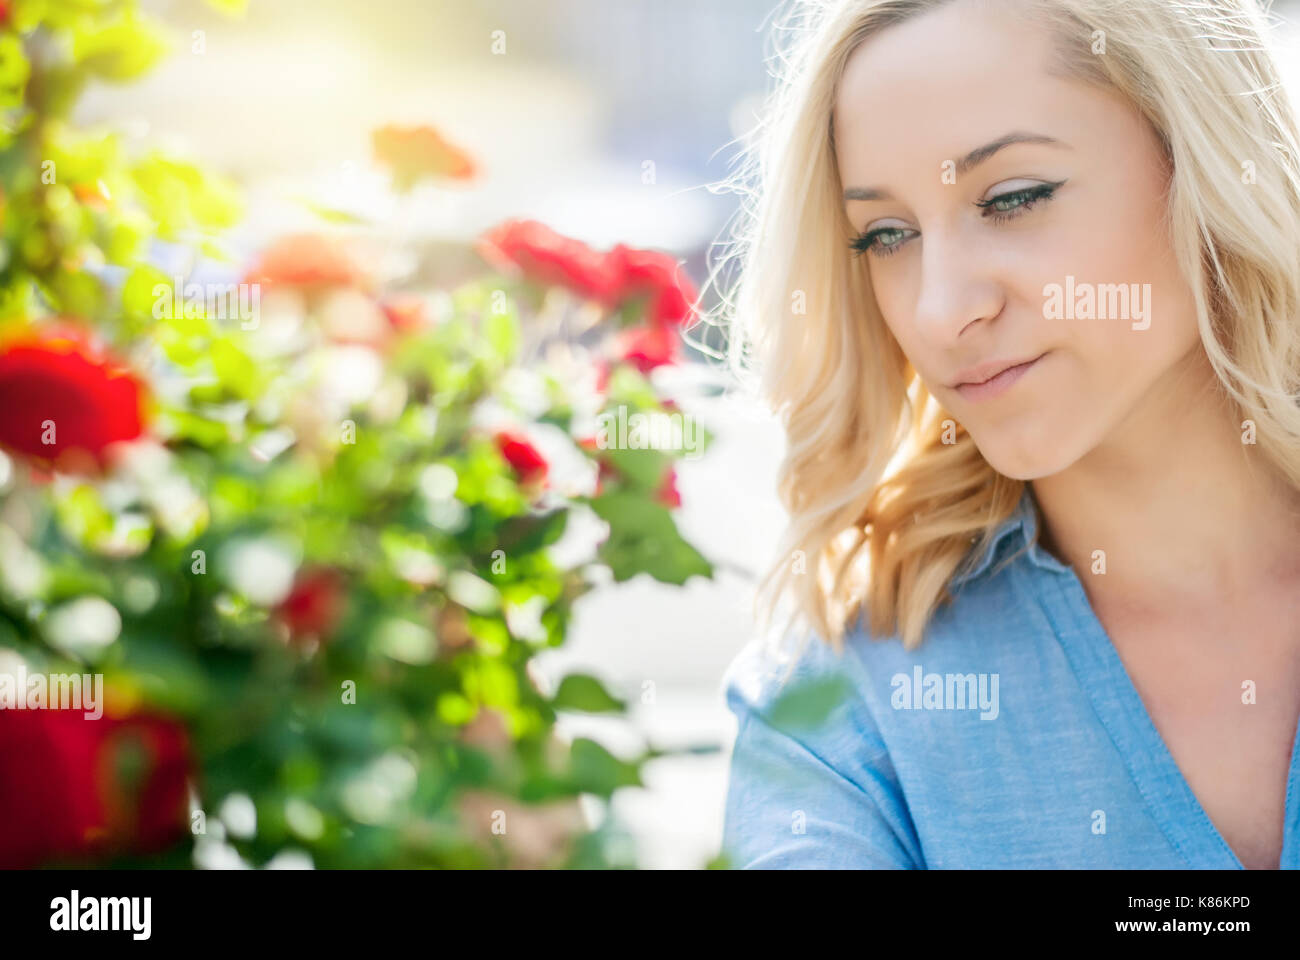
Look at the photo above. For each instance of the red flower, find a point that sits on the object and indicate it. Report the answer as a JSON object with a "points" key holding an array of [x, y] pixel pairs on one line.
{"points": [[657, 276], [416, 153], [64, 402], [406, 313], [667, 493], [649, 347], [83, 789], [314, 604], [308, 260], [529, 465], [613, 278], [549, 258]]}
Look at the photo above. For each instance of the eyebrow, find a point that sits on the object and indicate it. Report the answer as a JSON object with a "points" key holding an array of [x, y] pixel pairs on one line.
{"points": [[965, 164]]}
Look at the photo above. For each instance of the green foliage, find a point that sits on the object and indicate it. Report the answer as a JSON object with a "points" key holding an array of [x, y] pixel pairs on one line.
{"points": [[805, 706], [644, 539], [580, 692], [357, 740], [74, 202]]}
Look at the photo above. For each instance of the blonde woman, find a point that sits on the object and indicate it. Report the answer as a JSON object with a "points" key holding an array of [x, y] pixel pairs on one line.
{"points": [[1023, 282]]}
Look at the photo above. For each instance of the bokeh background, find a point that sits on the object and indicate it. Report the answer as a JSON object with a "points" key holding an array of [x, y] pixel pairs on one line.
{"points": [[609, 121]]}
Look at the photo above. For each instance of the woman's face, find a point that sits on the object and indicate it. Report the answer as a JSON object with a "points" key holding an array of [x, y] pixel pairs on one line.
{"points": [[1010, 215]]}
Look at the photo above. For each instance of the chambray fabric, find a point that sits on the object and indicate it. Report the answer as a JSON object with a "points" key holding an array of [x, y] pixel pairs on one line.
{"points": [[828, 772]]}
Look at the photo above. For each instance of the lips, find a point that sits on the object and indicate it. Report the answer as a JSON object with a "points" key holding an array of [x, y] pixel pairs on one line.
{"points": [[984, 372], [991, 379]]}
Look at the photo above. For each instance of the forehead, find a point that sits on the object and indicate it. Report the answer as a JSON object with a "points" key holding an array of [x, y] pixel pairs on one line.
{"points": [[943, 82]]}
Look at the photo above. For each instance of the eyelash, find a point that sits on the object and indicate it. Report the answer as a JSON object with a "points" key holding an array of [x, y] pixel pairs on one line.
{"points": [[1028, 196]]}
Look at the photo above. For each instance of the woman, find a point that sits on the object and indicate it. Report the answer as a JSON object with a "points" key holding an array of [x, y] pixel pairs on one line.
{"points": [[1024, 280]]}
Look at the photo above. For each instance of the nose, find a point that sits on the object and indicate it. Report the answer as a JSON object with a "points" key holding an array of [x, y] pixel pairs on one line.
{"points": [[958, 291]]}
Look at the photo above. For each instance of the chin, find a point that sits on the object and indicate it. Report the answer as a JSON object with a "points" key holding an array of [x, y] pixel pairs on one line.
{"points": [[1025, 454]]}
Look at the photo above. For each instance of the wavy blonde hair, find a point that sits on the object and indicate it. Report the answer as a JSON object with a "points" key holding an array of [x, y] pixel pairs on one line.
{"points": [[882, 514]]}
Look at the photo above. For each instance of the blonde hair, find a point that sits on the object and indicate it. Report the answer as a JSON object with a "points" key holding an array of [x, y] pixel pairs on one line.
{"points": [[882, 513]]}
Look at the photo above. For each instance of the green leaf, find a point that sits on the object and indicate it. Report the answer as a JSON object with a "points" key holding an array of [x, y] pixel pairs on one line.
{"points": [[455, 709], [806, 705], [76, 293], [646, 467], [530, 533], [502, 333], [595, 770], [579, 691], [145, 286], [644, 539], [330, 214], [14, 71], [122, 50], [236, 369], [83, 515]]}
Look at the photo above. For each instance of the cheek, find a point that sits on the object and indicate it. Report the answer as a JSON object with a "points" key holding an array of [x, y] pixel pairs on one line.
{"points": [[895, 295], [1104, 373], [1125, 355], [1117, 359]]}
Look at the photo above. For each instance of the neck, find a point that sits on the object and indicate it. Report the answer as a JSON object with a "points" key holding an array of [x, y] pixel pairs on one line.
{"points": [[1181, 506]]}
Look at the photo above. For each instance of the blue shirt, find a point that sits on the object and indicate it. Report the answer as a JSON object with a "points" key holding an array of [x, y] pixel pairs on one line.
{"points": [[1011, 737]]}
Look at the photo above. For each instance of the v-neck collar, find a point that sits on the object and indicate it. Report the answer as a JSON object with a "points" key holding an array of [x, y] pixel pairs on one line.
{"points": [[1100, 671]]}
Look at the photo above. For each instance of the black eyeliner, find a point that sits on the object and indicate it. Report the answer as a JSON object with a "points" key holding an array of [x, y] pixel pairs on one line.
{"points": [[1039, 192], [867, 241]]}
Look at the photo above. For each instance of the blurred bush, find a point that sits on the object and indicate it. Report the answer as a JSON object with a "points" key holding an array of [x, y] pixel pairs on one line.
{"points": [[301, 519]]}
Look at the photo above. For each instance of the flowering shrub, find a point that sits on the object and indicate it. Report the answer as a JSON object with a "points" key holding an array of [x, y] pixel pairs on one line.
{"points": [[302, 526]]}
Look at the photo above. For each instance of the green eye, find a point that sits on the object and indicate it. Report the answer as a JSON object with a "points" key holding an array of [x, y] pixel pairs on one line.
{"points": [[1010, 204], [880, 242], [885, 241]]}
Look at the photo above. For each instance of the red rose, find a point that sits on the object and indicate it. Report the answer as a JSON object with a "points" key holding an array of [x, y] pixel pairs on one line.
{"points": [[529, 465], [314, 604], [406, 313], [667, 493], [308, 260], [655, 275], [83, 789], [160, 804], [414, 153], [649, 347], [64, 402], [549, 258]]}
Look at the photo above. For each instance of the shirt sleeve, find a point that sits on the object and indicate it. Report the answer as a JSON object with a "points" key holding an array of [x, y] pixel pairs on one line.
{"points": [[811, 784]]}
